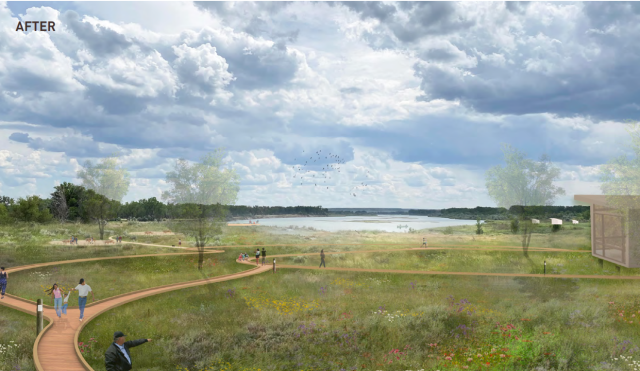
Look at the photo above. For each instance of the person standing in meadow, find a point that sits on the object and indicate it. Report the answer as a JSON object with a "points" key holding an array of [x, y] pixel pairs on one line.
{"points": [[179, 242], [117, 357], [424, 241], [56, 296], [264, 255], [83, 291], [3, 280], [322, 259], [257, 256]]}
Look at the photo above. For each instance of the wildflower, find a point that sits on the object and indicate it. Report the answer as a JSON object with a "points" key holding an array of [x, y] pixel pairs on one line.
{"points": [[447, 358], [469, 359], [502, 356]]}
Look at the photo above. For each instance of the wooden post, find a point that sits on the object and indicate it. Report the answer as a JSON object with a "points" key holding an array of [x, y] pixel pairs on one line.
{"points": [[39, 318], [274, 266]]}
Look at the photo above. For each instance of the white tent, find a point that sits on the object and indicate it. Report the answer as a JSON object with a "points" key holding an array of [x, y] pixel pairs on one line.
{"points": [[574, 221], [535, 221], [556, 221]]}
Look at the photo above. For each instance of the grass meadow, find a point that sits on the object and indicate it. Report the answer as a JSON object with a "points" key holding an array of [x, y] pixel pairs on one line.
{"points": [[582, 263], [324, 320], [119, 276], [16, 343], [329, 320]]}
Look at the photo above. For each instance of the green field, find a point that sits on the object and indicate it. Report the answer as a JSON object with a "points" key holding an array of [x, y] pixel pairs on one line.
{"points": [[468, 261], [118, 276], [326, 320], [18, 331]]}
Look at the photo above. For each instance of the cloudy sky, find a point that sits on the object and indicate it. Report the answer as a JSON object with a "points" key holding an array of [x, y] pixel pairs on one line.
{"points": [[415, 97]]}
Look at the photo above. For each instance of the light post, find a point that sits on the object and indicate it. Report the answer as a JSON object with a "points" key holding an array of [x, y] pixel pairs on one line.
{"points": [[274, 265], [39, 319]]}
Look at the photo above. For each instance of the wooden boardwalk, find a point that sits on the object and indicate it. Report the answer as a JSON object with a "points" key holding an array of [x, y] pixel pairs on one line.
{"points": [[56, 348]]}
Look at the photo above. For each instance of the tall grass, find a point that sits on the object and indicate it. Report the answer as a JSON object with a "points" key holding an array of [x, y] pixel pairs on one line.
{"points": [[114, 277], [18, 332], [338, 320]]}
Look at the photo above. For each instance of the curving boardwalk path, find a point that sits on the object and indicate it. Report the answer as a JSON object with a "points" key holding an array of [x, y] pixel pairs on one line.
{"points": [[56, 348]]}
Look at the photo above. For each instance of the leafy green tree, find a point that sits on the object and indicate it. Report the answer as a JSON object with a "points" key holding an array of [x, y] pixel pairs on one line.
{"points": [[31, 209], [7, 201], [203, 190], [99, 209], [4, 214], [69, 197], [523, 183]]}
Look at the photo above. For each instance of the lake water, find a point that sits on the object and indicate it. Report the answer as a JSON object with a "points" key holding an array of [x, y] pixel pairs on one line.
{"points": [[386, 223]]}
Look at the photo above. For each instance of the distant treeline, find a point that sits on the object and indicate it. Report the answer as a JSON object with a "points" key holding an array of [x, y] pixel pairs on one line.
{"points": [[581, 213], [77, 207]]}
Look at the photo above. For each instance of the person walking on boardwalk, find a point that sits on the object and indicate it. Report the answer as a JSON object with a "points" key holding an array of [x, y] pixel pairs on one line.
{"points": [[65, 303], [56, 295], [322, 259], [117, 357], [264, 255], [3, 280], [257, 256], [83, 291]]}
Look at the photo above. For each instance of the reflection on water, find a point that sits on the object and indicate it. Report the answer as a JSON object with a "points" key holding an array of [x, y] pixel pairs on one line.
{"points": [[385, 223]]}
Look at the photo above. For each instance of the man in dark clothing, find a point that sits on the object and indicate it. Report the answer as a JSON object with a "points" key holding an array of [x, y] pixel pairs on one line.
{"points": [[117, 357], [322, 259], [264, 255]]}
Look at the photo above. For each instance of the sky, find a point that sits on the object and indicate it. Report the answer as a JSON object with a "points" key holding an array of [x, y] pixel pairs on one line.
{"points": [[415, 97]]}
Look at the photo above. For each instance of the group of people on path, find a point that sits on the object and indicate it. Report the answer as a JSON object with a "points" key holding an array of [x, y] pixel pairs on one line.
{"points": [[60, 305]]}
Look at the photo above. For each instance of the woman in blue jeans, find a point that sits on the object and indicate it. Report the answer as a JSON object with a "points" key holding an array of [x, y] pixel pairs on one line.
{"points": [[56, 294]]}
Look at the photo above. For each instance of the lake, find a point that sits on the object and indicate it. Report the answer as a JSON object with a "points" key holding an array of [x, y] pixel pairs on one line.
{"points": [[386, 223]]}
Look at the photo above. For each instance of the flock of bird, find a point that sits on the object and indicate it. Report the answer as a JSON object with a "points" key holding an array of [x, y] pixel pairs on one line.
{"points": [[328, 162]]}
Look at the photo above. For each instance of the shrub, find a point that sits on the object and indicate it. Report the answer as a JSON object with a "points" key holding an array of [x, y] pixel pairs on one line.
{"points": [[515, 225]]}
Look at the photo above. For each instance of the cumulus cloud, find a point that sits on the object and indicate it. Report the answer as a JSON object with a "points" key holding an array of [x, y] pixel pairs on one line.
{"points": [[417, 97]]}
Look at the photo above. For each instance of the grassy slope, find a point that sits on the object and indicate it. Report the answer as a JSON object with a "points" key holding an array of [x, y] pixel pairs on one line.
{"points": [[559, 319], [19, 331], [113, 277]]}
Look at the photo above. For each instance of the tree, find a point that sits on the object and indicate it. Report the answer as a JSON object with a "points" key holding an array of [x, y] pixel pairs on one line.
{"points": [[59, 206], [4, 214], [7, 201], [104, 179], [479, 226], [523, 183], [31, 209], [100, 209], [203, 190]]}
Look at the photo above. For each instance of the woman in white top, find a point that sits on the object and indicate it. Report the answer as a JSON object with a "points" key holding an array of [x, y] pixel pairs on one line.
{"points": [[83, 291]]}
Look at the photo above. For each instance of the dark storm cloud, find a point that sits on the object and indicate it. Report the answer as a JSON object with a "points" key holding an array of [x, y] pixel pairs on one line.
{"points": [[425, 18], [371, 9], [20, 137], [100, 40], [72, 146]]}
